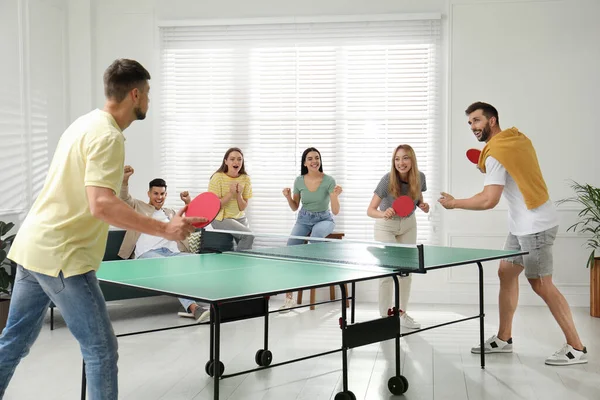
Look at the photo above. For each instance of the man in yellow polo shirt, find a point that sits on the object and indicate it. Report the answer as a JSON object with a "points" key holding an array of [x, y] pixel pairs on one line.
{"points": [[512, 170], [61, 243]]}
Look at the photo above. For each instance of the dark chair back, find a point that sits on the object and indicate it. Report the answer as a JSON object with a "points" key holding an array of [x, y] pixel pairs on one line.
{"points": [[113, 244]]}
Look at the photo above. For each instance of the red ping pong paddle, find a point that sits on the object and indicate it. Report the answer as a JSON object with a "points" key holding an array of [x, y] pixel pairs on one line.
{"points": [[473, 155], [205, 205], [403, 206]]}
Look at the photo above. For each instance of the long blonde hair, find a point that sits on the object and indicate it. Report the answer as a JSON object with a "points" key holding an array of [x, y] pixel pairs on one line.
{"points": [[414, 178]]}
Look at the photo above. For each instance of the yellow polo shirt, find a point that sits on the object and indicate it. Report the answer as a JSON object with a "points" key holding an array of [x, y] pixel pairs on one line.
{"points": [[60, 233]]}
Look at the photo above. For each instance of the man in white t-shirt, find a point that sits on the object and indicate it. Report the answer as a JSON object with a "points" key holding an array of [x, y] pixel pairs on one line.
{"points": [[141, 245], [512, 170]]}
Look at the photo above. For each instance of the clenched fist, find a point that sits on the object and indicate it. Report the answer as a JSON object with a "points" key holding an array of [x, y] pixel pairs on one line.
{"points": [[389, 213], [127, 172], [185, 197]]}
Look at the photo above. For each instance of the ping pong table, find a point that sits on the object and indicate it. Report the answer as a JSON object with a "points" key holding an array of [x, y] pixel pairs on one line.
{"points": [[238, 285]]}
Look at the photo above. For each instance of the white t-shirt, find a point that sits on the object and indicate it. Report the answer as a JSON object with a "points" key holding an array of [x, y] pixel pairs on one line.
{"points": [[521, 221], [148, 242]]}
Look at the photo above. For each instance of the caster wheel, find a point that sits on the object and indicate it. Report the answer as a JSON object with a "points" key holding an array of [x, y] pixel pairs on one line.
{"points": [[266, 358], [398, 385], [207, 366], [257, 357], [211, 369], [263, 358], [345, 396], [405, 381]]}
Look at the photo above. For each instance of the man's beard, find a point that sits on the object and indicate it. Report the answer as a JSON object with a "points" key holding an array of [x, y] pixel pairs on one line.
{"points": [[485, 133], [139, 114]]}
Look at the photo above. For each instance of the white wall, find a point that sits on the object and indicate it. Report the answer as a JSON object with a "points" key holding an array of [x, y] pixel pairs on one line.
{"points": [[536, 61]]}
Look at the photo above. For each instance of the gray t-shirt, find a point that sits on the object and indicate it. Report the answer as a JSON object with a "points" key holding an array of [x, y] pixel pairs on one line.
{"points": [[387, 198]]}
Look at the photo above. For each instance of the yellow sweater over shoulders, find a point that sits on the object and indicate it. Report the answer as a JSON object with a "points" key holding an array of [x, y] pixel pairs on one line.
{"points": [[515, 152]]}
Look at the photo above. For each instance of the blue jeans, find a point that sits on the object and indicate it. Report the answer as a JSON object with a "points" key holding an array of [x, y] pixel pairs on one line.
{"points": [[83, 308], [317, 224], [164, 252]]}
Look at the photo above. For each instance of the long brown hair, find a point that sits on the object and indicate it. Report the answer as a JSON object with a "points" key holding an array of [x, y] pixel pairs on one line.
{"points": [[223, 168], [414, 178]]}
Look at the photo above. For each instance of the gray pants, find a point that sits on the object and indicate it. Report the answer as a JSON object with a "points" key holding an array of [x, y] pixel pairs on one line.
{"points": [[244, 242]]}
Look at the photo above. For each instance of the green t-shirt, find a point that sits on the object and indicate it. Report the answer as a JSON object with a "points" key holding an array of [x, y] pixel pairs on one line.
{"points": [[318, 200]]}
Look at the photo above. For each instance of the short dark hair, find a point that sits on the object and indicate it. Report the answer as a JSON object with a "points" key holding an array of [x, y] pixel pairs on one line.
{"points": [[122, 76], [488, 110], [303, 168], [157, 183]]}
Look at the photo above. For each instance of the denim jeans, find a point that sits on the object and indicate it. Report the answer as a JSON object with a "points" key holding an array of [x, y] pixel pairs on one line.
{"points": [[164, 252], [83, 308], [539, 262], [317, 224]]}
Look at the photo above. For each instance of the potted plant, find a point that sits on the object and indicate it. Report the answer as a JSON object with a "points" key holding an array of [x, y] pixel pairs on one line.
{"points": [[588, 223], [6, 278]]}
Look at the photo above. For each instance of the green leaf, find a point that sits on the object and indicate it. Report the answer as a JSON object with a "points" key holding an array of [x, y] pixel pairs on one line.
{"points": [[10, 239], [2, 255], [4, 228], [588, 223], [591, 259]]}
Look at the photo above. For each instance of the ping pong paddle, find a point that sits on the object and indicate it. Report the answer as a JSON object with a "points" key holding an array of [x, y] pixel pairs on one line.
{"points": [[206, 205], [473, 155], [403, 206]]}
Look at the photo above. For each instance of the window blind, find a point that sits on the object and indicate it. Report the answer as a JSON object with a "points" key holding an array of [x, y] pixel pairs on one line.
{"points": [[354, 90]]}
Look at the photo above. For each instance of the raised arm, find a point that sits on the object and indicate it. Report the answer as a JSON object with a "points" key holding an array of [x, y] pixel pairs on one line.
{"points": [[335, 199], [106, 206], [124, 194], [293, 202]]}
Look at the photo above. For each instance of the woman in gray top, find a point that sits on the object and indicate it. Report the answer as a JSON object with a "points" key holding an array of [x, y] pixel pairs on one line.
{"points": [[404, 178]]}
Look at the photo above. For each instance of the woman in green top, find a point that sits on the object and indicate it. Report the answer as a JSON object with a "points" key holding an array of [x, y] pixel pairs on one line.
{"points": [[315, 190]]}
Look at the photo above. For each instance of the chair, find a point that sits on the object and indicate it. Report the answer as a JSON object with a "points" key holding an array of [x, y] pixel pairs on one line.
{"points": [[334, 235]]}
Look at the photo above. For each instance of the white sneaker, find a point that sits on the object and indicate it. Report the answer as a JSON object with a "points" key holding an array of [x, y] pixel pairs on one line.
{"points": [[202, 314], [289, 303], [494, 345], [567, 355], [407, 322]]}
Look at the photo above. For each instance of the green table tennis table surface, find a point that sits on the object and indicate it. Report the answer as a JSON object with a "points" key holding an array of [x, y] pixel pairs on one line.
{"points": [[239, 275]]}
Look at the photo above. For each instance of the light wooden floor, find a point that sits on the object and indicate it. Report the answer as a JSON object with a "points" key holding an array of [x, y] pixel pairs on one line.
{"points": [[438, 363]]}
